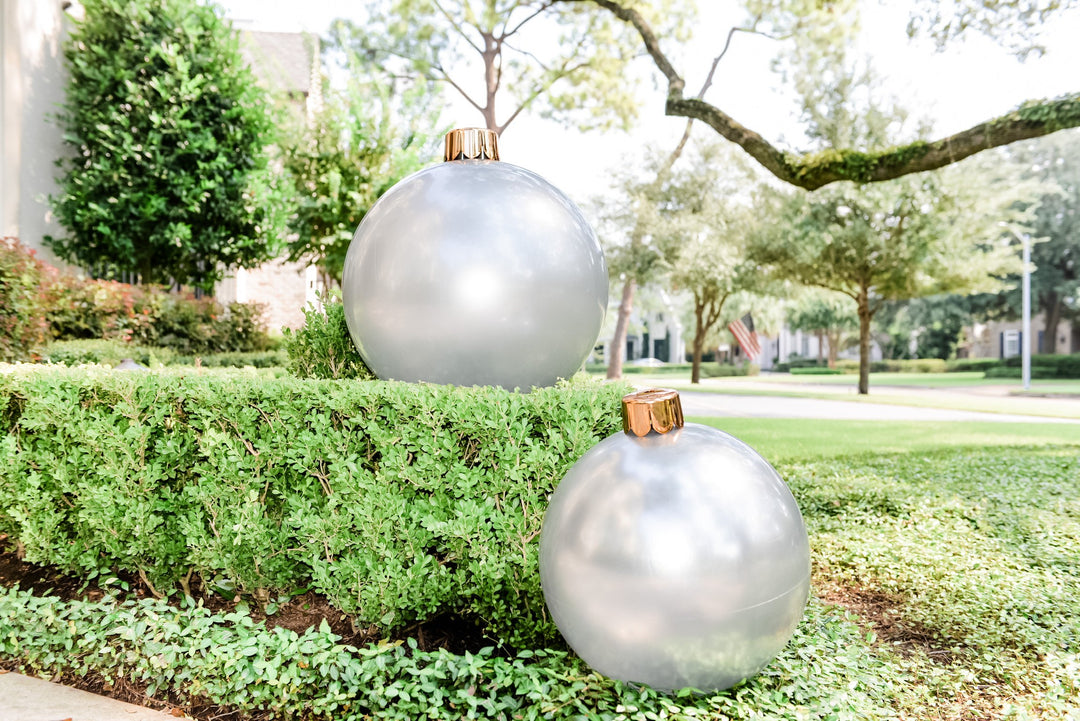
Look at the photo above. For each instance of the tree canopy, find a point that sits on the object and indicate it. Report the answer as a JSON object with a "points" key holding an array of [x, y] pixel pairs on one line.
{"points": [[1013, 22], [369, 133], [169, 177], [506, 57], [916, 236]]}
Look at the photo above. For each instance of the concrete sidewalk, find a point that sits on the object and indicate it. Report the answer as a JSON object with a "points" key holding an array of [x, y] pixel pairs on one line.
{"points": [[763, 406], [23, 698]]}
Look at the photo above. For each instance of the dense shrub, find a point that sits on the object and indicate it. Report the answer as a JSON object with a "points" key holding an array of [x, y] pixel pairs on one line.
{"points": [[105, 352], [150, 316], [1037, 372], [192, 325], [725, 370], [168, 171], [815, 371], [111, 352], [631, 369], [399, 502], [23, 326], [1060, 366], [919, 365], [260, 359], [80, 308], [971, 364], [787, 365], [322, 348]]}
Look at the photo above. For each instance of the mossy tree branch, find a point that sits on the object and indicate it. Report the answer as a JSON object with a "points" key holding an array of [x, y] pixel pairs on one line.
{"points": [[811, 171]]}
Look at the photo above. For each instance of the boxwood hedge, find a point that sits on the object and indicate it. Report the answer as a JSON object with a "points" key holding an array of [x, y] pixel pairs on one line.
{"points": [[399, 502]]}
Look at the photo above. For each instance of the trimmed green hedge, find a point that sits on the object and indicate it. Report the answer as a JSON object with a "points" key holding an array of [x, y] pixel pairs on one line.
{"points": [[815, 371], [971, 364], [1061, 366], [631, 369], [399, 502], [917, 365], [1038, 372], [111, 352]]}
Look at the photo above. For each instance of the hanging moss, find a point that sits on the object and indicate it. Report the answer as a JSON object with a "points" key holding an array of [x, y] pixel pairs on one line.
{"points": [[816, 169]]}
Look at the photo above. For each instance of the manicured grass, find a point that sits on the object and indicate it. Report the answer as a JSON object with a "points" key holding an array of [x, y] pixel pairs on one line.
{"points": [[942, 397], [785, 439]]}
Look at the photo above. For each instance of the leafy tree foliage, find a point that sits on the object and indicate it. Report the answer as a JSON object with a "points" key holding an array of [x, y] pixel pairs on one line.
{"points": [[506, 57], [931, 327], [703, 224], [368, 135], [868, 163], [918, 236], [169, 173], [1055, 282], [827, 315]]}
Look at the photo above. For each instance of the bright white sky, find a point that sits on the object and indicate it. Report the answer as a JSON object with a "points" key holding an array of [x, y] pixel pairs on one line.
{"points": [[963, 86]]}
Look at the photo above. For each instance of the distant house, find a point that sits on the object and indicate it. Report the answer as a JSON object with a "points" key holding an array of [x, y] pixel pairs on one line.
{"points": [[655, 330], [1005, 339]]}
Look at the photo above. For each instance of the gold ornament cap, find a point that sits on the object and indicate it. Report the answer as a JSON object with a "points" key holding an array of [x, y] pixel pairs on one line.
{"points": [[471, 144], [655, 409]]}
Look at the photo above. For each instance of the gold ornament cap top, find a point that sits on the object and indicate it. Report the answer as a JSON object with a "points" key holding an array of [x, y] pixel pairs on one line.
{"points": [[471, 144], [655, 409]]}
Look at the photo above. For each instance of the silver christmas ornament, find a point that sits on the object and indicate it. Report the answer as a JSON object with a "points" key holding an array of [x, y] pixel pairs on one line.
{"points": [[673, 554], [475, 272]]}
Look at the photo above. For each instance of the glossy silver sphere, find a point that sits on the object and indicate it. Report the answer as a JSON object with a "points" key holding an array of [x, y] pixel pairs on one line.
{"points": [[475, 272], [675, 560]]}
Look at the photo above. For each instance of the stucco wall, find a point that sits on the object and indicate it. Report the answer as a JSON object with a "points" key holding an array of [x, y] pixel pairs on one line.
{"points": [[32, 91]]}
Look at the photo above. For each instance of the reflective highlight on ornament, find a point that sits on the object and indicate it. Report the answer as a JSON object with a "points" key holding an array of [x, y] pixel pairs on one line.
{"points": [[675, 560]]}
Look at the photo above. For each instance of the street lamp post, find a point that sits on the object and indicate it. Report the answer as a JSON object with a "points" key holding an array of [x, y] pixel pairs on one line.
{"points": [[1025, 333]]}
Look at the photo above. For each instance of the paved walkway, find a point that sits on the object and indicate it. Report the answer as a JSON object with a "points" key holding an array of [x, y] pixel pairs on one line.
{"points": [[24, 698], [719, 404]]}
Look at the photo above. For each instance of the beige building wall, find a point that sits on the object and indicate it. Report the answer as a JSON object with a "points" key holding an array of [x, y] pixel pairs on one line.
{"points": [[31, 92], [283, 288], [986, 338]]}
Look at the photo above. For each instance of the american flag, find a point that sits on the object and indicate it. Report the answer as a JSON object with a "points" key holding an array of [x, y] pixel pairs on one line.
{"points": [[743, 330]]}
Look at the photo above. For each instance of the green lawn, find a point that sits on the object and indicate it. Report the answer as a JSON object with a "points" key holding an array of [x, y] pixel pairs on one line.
{"points": [[937, 391], [785, 439]]}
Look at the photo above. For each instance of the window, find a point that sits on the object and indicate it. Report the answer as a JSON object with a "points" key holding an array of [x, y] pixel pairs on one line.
{"points": [[1010, 343]]}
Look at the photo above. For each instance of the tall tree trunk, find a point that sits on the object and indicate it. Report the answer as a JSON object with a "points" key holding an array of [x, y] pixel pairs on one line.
{"points": [[834, 345], [618, 342], [1051, 307], [865, 316], [699, 344]]}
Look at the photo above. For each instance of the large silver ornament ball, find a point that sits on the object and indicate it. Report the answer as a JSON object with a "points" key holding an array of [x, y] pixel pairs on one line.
{"points": [[475, 272], [675, 560]]}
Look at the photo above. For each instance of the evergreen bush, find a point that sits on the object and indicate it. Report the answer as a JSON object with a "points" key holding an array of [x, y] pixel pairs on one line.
{"points": [[322, 348], [169, 173]]}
